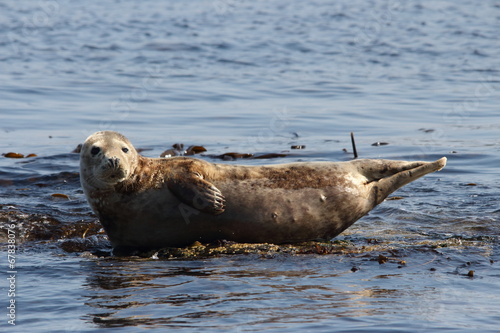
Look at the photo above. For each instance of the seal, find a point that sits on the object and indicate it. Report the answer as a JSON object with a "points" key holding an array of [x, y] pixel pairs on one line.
{"points": [[150, 203]]}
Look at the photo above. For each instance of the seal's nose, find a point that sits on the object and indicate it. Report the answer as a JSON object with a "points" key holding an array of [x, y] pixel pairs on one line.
{"points": [[114, 162]]}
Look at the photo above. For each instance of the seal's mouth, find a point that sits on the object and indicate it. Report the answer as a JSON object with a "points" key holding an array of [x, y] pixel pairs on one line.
{"points": [[116, 176], [112, 172]]}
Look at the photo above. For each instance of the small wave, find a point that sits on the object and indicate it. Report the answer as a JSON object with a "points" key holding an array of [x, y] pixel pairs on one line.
{"points": [[172, 47], [112, 47], [236, 62]]}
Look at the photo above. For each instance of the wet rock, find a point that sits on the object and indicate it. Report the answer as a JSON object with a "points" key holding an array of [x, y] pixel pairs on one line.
{"points": [[178, 150], [41, 227], [92, 245], [13, 155], [273, 155], [234, 156], [59, 196], [192, 150], [78, 149], [170, 153], [395, 198], [382, 259]]}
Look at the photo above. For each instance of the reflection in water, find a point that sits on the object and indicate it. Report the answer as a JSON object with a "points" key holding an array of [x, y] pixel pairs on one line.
{"points": [[227, 292]]}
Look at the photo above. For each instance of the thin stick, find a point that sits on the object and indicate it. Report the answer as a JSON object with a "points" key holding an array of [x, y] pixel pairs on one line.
{"points": [[354, 146]]}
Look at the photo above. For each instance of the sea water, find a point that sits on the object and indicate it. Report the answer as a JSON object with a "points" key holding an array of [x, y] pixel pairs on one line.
{"points": [[413, 80]]}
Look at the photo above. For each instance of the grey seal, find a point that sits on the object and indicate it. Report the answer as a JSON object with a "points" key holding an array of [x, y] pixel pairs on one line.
{"points": [[150, 203]]}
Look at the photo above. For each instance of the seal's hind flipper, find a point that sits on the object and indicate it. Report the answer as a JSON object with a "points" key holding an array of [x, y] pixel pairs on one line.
{"points": [[198, 193]]}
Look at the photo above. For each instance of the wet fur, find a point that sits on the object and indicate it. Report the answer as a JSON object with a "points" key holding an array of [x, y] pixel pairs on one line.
{"points": [[176, 201]]}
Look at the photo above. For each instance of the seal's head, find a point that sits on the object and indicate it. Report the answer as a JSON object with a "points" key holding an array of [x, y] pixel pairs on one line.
{"points": [[106, 159]]}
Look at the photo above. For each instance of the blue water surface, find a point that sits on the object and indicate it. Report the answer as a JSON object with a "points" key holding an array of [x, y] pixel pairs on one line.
{"points": [[258, 77]]}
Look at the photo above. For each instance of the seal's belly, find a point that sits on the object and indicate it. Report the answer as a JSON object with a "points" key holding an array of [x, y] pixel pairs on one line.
{"points": [[254, 213], [290, 215]]}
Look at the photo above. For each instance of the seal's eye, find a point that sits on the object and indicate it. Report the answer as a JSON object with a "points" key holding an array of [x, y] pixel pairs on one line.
{"points": [[95, 150], [125, 150]]}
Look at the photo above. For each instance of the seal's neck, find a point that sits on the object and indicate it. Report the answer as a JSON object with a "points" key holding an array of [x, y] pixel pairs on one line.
{"points": [[144, 175]]}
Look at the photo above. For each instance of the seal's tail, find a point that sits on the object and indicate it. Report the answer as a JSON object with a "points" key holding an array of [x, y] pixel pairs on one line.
{"points": [[387, 176]]}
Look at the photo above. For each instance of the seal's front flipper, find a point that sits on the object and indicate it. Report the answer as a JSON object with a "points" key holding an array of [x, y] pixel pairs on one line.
{"points": [[198, 193]]}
